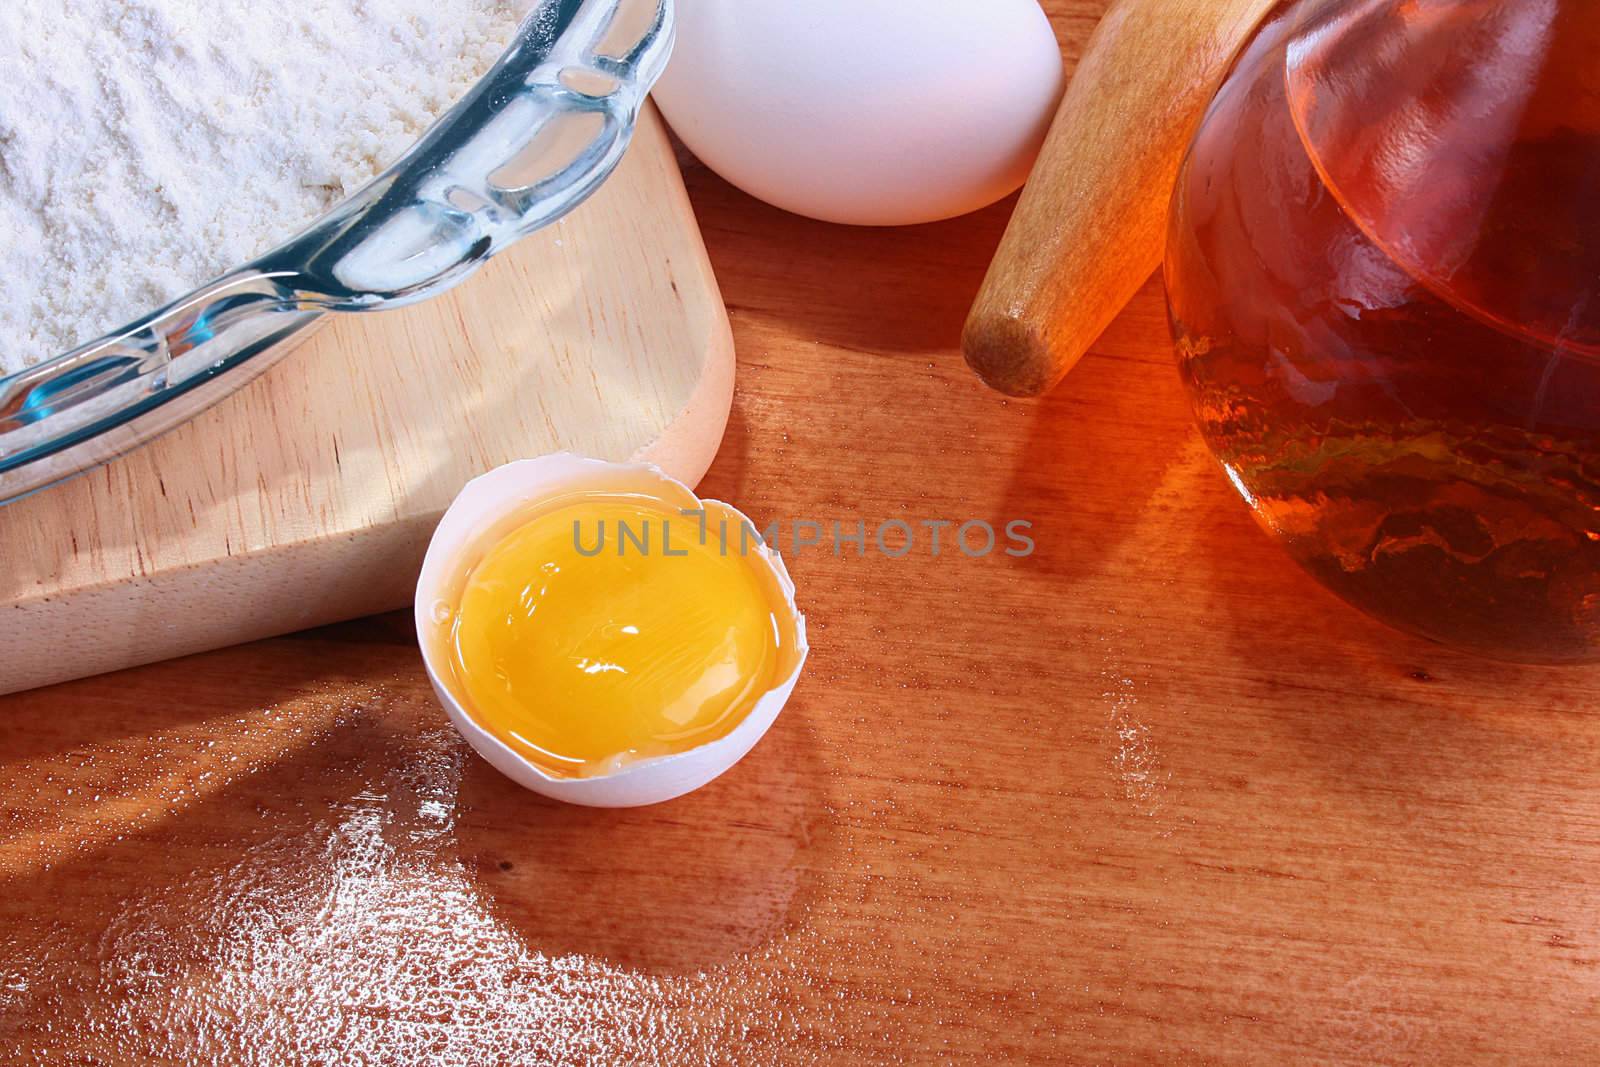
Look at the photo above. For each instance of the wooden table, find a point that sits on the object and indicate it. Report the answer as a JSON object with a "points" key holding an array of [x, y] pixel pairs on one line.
{"points": [[1149, 795]]}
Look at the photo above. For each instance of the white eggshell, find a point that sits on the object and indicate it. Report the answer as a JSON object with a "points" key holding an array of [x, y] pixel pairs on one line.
{"points": [[873, 112], [504, 491]]}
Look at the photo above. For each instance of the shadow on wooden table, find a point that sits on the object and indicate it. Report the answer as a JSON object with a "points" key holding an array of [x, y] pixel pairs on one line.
{"points": [[1103, 448], [676, 888], [160, 701], [873, 290]]}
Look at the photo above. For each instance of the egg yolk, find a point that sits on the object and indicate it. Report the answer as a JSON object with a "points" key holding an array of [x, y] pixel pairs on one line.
{"points": [[603, 630]]}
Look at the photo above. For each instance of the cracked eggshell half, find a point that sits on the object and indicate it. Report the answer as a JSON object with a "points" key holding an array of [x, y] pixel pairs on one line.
{"points": [[485, 511]]}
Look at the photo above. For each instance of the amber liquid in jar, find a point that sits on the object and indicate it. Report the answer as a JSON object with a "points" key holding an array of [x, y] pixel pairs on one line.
{"points": [[1429, 449]]}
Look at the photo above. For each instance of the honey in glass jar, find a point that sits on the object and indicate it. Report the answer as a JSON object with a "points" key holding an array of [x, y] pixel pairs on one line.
{"points": [[1382, 272]]}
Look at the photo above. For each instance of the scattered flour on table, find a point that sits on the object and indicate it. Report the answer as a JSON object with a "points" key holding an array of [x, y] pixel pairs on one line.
{"points": [[147, 146]]}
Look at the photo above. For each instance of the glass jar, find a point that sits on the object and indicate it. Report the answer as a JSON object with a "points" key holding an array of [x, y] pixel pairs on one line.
{"points": [[1382, 272]]}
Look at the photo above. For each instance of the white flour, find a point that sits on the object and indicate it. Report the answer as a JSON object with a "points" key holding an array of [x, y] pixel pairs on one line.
{"points": [[147, 146]]}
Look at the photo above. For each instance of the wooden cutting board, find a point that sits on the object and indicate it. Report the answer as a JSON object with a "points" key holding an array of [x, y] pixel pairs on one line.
{"points": [[309, 496]]}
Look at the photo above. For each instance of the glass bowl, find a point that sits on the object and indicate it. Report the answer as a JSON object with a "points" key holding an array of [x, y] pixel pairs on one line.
{"points": [[1383, 271], [537, 134]]}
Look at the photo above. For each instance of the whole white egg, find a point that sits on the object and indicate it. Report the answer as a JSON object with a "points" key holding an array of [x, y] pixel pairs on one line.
{"points": [[872, 112]]}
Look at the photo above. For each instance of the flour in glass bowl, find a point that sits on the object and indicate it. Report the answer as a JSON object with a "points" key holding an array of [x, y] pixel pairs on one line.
{"points": [[147, 146]]}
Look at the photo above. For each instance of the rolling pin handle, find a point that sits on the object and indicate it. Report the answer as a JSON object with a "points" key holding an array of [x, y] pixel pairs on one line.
{"points": [[1091, 224]]}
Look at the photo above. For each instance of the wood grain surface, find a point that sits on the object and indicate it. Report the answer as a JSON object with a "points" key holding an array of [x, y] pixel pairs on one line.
{"points": [[308, 496], [1147, 796]]}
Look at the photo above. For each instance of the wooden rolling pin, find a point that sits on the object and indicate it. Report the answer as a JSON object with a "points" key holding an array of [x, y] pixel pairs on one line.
{"points": [[1092, 221]]}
